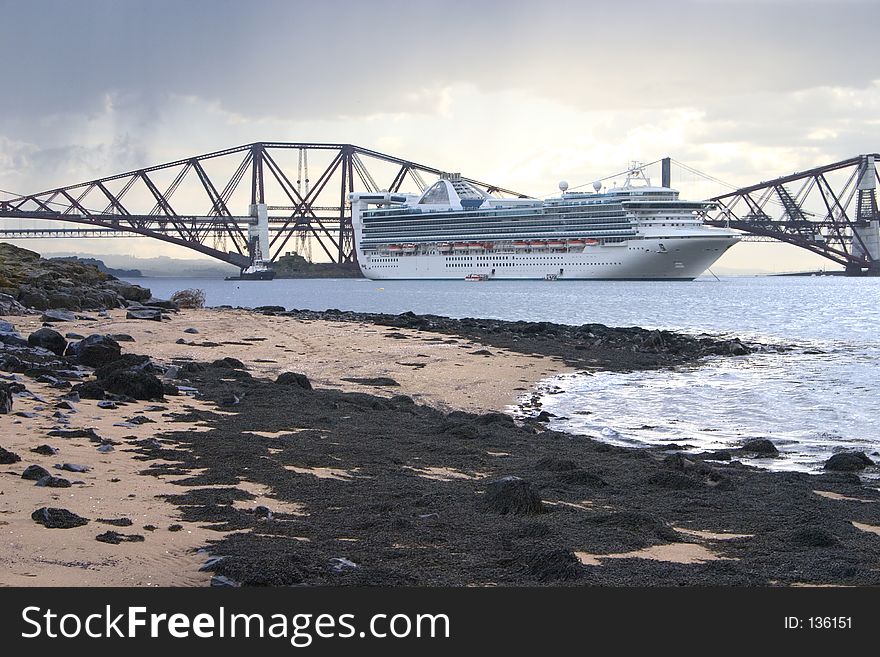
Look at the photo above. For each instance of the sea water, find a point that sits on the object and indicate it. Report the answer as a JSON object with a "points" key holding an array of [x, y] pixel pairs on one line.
{"points": [[820, 396]]}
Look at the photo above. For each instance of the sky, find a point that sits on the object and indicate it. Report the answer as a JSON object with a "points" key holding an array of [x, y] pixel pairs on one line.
{"points": [[520, 94]]}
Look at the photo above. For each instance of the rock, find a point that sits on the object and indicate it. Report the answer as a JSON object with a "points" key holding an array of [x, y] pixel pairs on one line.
{"points": [[73, 467], [140, 419], [341, 564], [13, 340], [376, 381], [65, 405], [50, 481], [760, 446], [89, 390], [232, 363], [263, 512], [48, 339], [6, 327], [7, 457], [222, 580], [115, 538], [166, 304], [270, 309], [95, 350], [52, 518], [5, 398], [9, 306], [150, 314], [190, 330], [106, 448], [512, 495], [175, 528], [75, 433], [107, 404], [482, 352], [35, 473], [294, 379], [45, 450], [128, 291], [848, 462], [544, 416], [70, 335], [121, 337], [53, 316]]}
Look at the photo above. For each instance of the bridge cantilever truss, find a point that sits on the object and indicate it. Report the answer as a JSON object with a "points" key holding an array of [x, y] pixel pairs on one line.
{"points": [[830, 210], [191, 202]]}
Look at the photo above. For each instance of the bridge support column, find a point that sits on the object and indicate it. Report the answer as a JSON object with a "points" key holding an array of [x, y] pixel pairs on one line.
{"points": [[258, 233], [866, 242]]}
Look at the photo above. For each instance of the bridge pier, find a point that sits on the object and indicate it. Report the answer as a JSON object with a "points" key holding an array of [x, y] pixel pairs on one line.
{"points": [[866, 230], [258, 233]]}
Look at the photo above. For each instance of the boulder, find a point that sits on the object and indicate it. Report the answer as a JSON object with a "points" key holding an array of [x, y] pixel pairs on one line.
{"points": [[512, 495], [89, 390], [760, 446], [48, 339], [121, 337], [35, 473], [9, 306], [294, 379], [95, 350], [7, 457], [848, 462], [128, 291]]}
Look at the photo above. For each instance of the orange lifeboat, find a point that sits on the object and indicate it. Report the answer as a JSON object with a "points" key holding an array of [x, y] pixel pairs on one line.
{"points": [[520, 245], [591, 242]]}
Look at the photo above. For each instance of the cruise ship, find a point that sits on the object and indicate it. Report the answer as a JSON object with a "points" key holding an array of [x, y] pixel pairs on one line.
{"points": [[454, 230]]}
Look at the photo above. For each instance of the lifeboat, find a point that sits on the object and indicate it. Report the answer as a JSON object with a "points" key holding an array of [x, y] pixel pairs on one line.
{"points": [[555, 244], [477, 278], [444, 247], [475, 246], [460, 246], [537, 244], [591, 242], [394, 248], [408, 248], [575, 242], [520, 245]]}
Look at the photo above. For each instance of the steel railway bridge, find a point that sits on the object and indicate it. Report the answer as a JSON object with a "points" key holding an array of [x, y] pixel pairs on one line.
{"points": [[829, 210]]}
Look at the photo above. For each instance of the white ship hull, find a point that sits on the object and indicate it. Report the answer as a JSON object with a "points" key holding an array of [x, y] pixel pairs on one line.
{"points": [[639, 259]]}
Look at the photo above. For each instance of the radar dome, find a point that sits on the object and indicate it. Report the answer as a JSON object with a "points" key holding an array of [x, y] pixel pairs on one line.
{"points": [[597, 185], [563, 185]]}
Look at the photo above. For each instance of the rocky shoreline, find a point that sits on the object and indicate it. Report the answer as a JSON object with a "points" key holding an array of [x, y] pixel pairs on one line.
{"points": [[377, 489]]}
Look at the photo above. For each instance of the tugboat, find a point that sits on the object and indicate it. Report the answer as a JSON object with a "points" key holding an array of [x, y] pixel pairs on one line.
{"points": [[258, 271]]}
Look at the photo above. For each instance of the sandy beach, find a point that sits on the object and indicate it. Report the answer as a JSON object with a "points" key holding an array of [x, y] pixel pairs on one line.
{"points": [[326, 352], [394, 466]]}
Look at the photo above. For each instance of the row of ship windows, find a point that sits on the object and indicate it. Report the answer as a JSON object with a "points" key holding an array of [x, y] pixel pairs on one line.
{"points": [[454, 265]]}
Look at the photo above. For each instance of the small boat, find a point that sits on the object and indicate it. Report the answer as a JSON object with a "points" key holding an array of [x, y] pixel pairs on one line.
{"points": [[591, 242], [394, 248], [520, 245], [444, 247], [477, 278], [475, 246], [555, 244], [256, 272], [551, 277], [575, 242], [408, 248], [460, 246]]}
